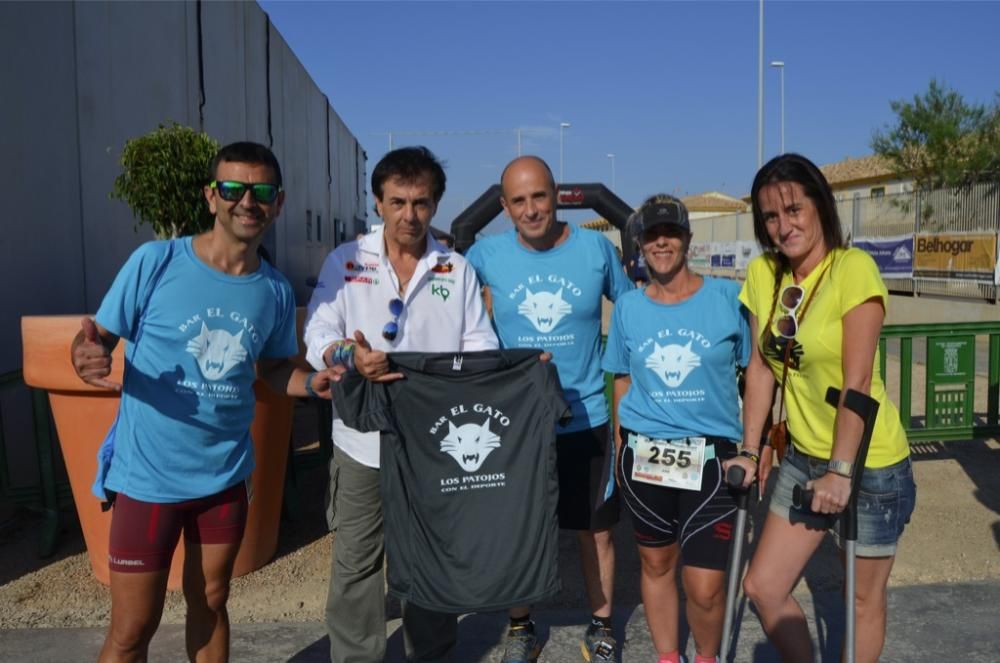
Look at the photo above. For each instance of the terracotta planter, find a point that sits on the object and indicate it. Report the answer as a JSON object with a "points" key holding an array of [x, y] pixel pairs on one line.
{"points": [[83, 415]]}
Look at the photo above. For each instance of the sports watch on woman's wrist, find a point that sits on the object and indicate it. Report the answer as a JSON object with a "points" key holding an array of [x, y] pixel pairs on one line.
{"points": [[841, 467]]}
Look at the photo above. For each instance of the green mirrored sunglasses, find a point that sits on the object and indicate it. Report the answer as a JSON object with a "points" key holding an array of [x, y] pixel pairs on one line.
{"points": [[234, 191]]}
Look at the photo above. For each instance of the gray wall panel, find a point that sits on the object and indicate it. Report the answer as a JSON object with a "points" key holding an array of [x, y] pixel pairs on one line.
{"points": [[351, 204], [318, 161], [345, 192], [114, 71], [256, 29], [133, 74], [361, 210], [223, 51], [102, 73], [276, 109], [40, 261], [293, 86], [336, 174]]}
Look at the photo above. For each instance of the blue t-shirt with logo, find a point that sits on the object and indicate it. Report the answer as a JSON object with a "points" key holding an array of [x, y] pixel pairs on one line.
{"points": [[682, 360], [552, 300], [194, 335]]}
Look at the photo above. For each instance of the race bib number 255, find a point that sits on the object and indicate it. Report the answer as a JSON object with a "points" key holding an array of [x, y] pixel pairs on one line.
{"points": [[670, 463]]}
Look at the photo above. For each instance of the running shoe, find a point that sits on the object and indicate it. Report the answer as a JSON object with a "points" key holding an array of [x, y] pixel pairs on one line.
{"points": [[598, 645], [522, 645]]}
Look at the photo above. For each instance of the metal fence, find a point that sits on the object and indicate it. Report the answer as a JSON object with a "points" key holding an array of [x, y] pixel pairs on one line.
{"points": [[972, 209]]}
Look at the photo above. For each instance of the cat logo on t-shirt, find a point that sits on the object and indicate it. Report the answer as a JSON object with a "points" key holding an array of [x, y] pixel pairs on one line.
{"points": [[672, 363], [543, 309], [470, 444], [217, 351]]}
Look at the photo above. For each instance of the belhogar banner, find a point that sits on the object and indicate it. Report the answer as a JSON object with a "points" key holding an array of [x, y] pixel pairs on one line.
{"points": [[965, 256]]}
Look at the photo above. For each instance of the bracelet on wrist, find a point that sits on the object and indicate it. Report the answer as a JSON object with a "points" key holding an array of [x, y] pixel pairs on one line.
{"points": [[309, 386], [747, 453], [342, 354]]}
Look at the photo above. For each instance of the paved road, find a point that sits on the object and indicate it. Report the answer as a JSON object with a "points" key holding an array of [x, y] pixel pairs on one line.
{"points": [[916, 633]]}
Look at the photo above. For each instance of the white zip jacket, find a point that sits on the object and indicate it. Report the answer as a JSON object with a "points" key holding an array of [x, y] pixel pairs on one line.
{"points": [[443, 312]]}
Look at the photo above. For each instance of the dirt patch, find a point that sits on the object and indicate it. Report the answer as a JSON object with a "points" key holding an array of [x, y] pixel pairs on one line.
{"points": [[62, 591]]}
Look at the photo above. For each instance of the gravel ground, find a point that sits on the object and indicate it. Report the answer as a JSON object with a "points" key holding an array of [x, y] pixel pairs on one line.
{"points": [[953, 537]]}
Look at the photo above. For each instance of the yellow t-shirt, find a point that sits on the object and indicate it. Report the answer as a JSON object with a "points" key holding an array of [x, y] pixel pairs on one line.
{"points": [[816, 355]]}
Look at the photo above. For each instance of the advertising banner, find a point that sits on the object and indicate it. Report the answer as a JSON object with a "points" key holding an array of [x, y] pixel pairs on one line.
{"points": [[699, 256], [720, 260], [893, 255], [746, 250], [724, 255], [965, 256]]}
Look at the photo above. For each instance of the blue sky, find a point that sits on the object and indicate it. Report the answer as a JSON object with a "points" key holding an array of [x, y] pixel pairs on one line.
{"points": [[670, 88]]}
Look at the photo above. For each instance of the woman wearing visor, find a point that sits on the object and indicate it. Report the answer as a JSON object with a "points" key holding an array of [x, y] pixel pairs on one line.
{"points": [[673, 348], [816, 311]]}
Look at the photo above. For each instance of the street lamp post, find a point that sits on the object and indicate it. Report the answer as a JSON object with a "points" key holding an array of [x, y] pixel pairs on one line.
{"points": [[562, 125], [611, 156], [760, 85], [780, 66]]}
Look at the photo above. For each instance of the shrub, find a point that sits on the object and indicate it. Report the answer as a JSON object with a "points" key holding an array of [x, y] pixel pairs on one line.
{"points": [[163, 173]]}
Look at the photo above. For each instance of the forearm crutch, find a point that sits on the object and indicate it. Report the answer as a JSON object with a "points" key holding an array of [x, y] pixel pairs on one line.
{"points": [[865, 407], [734, 477]]}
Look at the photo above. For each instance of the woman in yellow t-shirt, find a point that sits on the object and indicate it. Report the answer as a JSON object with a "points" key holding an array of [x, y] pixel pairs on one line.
{"points": [[827, 303]]}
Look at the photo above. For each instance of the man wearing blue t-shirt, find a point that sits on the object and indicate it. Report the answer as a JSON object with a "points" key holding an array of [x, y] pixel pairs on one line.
{"points": [[546, 280], [198, 313]]}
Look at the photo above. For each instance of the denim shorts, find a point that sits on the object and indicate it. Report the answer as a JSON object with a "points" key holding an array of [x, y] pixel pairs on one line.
{"points": [[885, 503]]}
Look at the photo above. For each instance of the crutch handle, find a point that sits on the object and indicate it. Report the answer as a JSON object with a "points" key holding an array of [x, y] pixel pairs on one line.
{"points": [[802, 498], [735, 476]]}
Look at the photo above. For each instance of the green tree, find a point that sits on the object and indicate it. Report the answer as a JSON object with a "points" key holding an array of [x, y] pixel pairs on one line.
{"points": [[939, 139], [163, 173]]}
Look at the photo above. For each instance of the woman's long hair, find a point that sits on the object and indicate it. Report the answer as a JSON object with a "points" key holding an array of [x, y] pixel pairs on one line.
{"points": [[796, 168]]}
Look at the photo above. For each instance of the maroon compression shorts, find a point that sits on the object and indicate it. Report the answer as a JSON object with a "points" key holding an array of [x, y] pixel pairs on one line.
{"points": [[144, 534]]}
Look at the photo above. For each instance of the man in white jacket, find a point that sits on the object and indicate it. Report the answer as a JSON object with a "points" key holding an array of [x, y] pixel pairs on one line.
{"points": [[395, 289]]}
